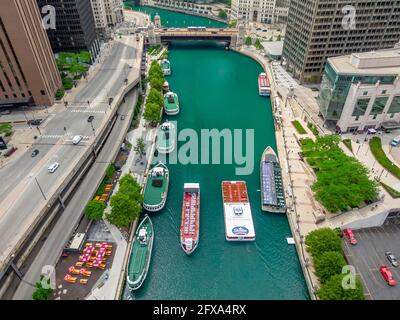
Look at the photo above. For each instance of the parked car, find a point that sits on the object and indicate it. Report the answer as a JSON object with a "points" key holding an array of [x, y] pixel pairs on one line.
{"points": [[53, 167], [387, 275], [90, 119], [348, 233], [395, 142], [34, 153], [392, 259]]}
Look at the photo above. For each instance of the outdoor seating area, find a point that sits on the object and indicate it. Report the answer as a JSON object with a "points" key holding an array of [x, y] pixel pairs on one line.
{"points": [[84, 269]]}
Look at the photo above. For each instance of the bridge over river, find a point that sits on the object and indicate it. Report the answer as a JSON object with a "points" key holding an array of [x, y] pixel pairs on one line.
{"points": [[233, 36]]}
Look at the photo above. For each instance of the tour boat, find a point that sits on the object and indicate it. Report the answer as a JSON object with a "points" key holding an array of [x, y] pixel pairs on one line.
{"points": [[237, 212], [171, 103], [264, 88], [140, 255], [190, 224], [166, 138], [272, 191], [166, 67], [156, 188]]}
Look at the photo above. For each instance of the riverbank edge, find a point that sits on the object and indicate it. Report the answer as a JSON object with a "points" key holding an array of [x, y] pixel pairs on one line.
{"points": [[304, 261], [211, 17]]}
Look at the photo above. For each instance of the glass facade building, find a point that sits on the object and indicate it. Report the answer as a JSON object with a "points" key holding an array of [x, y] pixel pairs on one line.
{"points": [[335, 88]]}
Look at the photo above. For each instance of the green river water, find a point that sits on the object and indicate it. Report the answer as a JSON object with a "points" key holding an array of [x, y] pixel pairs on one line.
{"points": [[218, 89]]}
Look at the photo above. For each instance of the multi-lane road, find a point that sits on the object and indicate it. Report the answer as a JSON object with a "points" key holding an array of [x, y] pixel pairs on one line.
{"points": [[26, 184]]}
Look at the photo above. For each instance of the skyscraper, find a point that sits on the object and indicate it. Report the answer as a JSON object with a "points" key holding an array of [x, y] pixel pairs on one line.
{"points": [[75, 26], [318, 29], [264, 11], [28, 72]]}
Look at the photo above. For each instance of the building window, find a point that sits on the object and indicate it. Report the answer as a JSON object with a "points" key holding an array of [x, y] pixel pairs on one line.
{"points": [[395, 106], [360, 107], [43, 92], [379, 105]]}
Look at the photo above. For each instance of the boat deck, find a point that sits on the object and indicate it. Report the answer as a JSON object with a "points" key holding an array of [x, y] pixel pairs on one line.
{"points": [[239, 224], [190, 227], [153, 194]]}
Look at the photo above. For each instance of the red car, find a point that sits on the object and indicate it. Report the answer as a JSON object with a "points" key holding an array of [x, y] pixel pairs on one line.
{"points": [[387, 275], [348, 233]]}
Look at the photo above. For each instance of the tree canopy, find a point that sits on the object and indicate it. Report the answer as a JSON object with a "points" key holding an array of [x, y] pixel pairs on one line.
{"points": [[323, 240], [126, 204], [152, 113], [95, 209], [248, 41], [342, 181], [328, 264], [333, 289], [40, 292]]}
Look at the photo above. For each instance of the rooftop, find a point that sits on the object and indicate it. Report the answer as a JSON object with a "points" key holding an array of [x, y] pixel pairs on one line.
{"points": [[381, 62]]}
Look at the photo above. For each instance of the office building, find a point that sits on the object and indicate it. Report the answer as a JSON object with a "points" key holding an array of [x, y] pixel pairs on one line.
{"points": [[28, 72], [262, 11], [318, 29], [114, 12], [100, 18], [75, 26], [362, 91]]}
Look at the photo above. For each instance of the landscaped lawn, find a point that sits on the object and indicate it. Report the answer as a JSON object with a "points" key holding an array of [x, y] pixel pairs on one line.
{"points": [[342, 181], [299, 127], [376, 148], [393, 193], [5, 128]]}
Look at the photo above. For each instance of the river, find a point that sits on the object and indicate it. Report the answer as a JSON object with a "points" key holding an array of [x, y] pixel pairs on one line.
{"points": [[218, 89]]}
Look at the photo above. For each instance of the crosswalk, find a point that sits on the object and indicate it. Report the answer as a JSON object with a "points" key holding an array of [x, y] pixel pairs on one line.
{"points": [[87, 111], [59, 136]]}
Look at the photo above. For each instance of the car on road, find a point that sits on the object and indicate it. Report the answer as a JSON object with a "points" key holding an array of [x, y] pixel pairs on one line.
{"points": [[392, 259], [34, 153], [53, 167], [348, 233], [35, 122], [90, 119], [122, 117], [387, 275], [77, 139]]}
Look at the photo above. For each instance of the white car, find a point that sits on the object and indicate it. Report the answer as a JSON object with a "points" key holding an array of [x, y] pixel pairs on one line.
{"points": [[53, 167], [77, 139]]}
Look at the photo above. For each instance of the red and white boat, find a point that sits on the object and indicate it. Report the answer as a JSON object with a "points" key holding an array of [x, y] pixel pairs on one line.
{"points": [[264, 88], [190, 225]]}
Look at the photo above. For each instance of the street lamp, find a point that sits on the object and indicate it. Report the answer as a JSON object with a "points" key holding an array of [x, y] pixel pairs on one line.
{"points": [[40, 188]]}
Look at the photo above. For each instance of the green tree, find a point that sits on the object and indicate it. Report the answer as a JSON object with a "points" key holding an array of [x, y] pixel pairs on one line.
{"points": [[258, 44], [152, 113], [333, 289], [248, 41], [222, 14], [60, 93], [328, 264], [128, 185], [232, 24], [95, 209], [77, 69], [42, 293], [140, 148], [279, 37], [323, 240], [155, 97], [124, 210]]}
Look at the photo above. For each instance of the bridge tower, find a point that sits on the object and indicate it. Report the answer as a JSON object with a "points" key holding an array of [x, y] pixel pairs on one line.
{"points": [[241, 35], [157, 21], [153, 38]]}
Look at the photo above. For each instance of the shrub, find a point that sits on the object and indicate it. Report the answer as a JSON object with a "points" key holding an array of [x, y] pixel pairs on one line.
{"points": [[42, 293], [95, 209], [60, 94], [347, 143], [300, 129], [376, 148]]}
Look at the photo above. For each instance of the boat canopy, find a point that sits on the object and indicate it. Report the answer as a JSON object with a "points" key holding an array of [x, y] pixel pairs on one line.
{"points": [[157, 172]]}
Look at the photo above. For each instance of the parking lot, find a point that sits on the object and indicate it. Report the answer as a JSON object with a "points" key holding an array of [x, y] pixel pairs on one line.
{"points": [[369, 254]]}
